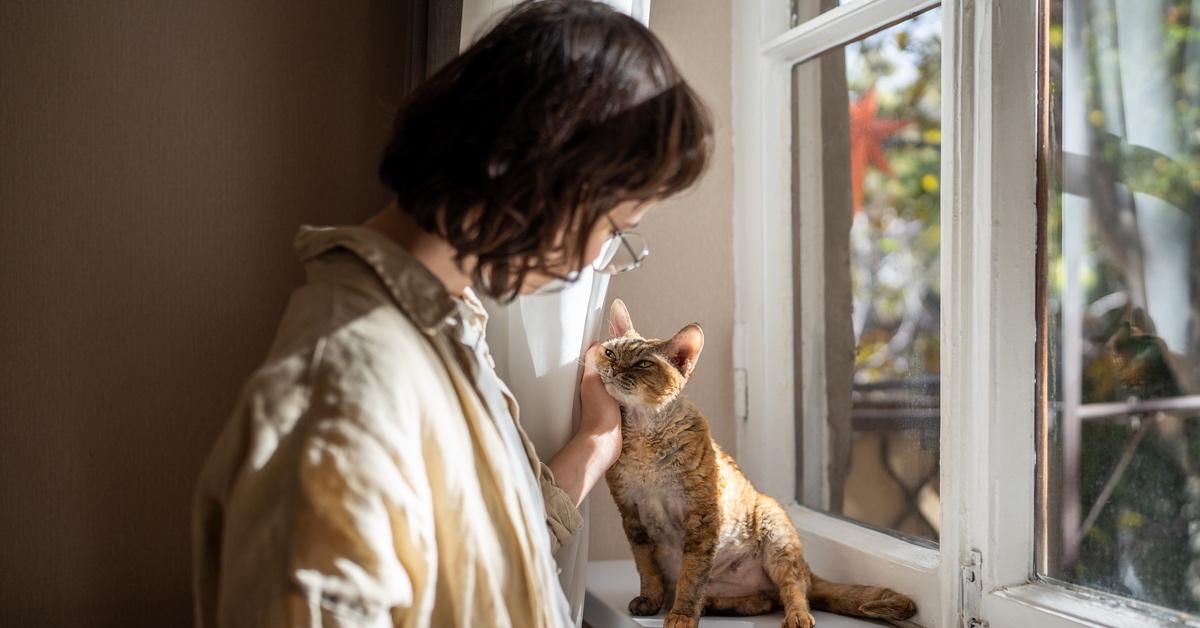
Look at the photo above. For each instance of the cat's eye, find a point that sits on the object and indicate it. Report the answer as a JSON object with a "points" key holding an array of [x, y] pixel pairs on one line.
{"points": [[609, 353], [644, 364]]}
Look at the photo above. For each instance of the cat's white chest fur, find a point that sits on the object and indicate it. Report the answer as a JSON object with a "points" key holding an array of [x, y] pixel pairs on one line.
{"points": [[662, 509], [653, 490], [639, 421], [658, 496]]}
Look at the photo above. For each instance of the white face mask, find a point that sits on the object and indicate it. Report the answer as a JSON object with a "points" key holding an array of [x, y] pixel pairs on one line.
{"points": [[555, 285]]}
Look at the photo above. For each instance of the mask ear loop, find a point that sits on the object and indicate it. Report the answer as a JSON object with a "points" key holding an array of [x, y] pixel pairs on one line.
{"points": [[556, 285]]}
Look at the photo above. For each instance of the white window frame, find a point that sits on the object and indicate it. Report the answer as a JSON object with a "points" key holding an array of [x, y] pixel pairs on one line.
{"points": [[983, 568]]}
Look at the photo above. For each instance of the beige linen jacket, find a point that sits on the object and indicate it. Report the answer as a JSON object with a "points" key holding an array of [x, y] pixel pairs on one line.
{"points": [[361, 480]]}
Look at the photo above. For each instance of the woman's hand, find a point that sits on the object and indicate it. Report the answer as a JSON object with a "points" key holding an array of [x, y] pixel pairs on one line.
{"points": [[597, 444], [599, 414]]}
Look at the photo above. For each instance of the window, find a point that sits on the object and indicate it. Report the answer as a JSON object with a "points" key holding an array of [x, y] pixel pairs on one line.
{"points": [[797, 7], [998, 315], [866, 136], [1122, 493]]}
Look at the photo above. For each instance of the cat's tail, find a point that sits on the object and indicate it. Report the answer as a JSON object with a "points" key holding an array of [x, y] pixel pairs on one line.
{"points": [[859, 600]]}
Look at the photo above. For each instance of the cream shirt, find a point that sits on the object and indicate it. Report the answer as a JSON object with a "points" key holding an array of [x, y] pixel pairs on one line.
{"points": [[373, 472]]}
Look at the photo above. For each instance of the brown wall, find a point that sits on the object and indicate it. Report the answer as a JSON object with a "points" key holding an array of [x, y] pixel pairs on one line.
{"points": [[155, 161], [689, 274]]}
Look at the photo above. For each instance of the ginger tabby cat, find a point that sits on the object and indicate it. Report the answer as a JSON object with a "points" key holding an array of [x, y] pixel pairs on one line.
{"points": [[696, 525]]}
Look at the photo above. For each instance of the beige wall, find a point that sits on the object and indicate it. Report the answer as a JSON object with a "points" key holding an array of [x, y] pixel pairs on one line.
{"points": [[689, 274], [156, 159]]}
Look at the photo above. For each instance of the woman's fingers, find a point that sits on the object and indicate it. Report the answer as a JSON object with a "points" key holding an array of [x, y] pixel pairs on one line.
{"points": [[595, 398], [600, 416], [589, 358]]}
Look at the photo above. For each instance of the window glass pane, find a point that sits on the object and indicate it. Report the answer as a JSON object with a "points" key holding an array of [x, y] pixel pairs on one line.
{"points": [[1121, 507], [868, 134], [802, 10]]}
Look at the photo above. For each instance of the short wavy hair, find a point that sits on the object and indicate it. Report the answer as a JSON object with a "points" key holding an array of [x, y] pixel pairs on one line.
{"points": [[517, 147]]}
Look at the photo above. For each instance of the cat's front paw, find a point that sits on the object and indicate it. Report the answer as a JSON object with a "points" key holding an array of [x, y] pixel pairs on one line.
{"points": [[799, 619], [679, 620], [642, 606]]}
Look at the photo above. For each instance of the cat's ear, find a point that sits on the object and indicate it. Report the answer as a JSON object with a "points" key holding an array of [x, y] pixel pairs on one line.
{"points": [[1140, 321], [683, 349], [618, 319]]}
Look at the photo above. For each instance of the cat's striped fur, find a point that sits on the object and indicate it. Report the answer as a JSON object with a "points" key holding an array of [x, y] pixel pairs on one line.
{"points": [[704, 540]]}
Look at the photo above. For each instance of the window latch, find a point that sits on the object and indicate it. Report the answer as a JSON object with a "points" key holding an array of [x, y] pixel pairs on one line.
{"points": [[972, 590]]}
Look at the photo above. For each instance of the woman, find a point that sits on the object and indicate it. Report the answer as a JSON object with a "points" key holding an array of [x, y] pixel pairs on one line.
{"points": [[374, 472]]}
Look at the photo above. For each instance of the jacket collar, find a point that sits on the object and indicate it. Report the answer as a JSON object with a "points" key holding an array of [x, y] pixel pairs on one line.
{"points": [[418, 293]]}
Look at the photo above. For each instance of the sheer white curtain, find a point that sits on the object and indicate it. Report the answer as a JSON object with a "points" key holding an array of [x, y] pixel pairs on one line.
{"points": [[537, 341]]}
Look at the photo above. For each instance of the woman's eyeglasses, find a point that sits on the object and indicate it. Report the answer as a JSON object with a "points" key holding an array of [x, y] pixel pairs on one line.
{"points": [[624, 251]]}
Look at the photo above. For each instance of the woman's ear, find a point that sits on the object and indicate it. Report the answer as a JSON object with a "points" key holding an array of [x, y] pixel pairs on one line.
{"points": [[618, 320], [683, 349]]}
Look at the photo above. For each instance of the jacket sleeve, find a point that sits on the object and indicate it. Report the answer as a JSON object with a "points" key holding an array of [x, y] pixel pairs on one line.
{"points": [[362, 546], [562, 517]]}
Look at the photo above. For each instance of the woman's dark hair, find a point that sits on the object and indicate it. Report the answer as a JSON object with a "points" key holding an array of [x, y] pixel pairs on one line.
{"points": [[563, 110]]}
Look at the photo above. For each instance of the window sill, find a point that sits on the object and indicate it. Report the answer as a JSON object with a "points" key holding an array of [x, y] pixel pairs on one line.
{"points": [[844, 551], [1075, 607], [848, 536], [612, 583]]}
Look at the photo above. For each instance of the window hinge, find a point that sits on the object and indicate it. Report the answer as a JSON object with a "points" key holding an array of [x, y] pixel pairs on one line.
{"points": [[740, 392], [741, 388], [972, 590]]}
